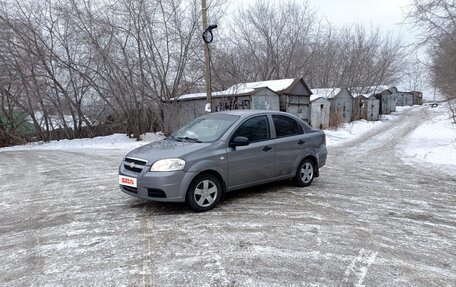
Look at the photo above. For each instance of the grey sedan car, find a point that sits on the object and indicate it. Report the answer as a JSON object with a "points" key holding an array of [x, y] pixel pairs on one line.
{"points": [[222, 152]]}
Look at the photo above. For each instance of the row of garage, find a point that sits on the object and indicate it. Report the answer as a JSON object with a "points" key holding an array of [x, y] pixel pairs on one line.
{"points": [[321, 108]]}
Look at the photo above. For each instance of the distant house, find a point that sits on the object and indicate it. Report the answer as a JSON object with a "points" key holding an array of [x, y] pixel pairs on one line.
{"points": [[294, 98], [319, 112], [185, 108], [390, 97], [294, 94], [341, 104], [406, 97], [16, 122], [394, 97], [290, 95], [417, 97], [365, 107], [402, 98], [387, 100]]}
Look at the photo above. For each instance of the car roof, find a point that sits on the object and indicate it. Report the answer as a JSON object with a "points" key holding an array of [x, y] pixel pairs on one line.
{"points": [[245, 113]]}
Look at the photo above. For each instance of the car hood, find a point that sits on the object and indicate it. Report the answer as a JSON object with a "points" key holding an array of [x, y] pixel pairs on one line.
{"points": [[163, 149]]}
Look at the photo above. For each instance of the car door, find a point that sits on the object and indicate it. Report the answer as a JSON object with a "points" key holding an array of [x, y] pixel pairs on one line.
{"points": [[256, 161], [290, 143]]}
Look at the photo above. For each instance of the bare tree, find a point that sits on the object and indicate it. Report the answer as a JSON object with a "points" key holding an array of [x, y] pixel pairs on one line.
{"points": [[19, 84], [146, 50], [43, 51], [436, 20], [70, 65], [266, 41], [369, 58], [286, 40], [126, 57], [444, 70]]}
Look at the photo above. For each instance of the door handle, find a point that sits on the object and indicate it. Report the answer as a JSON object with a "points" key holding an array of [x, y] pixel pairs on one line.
{"points": [[301, 142], [266, 148]]}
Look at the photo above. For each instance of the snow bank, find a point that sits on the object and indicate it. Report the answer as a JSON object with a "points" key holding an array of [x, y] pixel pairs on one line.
{"points": [[349, 131], [354, 130], [115, 141], [432, 142]]}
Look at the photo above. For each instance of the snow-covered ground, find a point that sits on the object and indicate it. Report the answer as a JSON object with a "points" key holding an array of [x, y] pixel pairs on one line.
{"points": [[115, 141], [433, 142], [353, 130], [368, 220], [349, 131]]}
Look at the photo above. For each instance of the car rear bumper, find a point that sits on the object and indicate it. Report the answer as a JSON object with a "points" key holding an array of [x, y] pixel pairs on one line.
{"points": [[322, 155]]}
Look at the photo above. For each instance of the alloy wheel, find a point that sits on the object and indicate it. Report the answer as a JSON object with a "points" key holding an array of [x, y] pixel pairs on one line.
{"points": [[205, 193], [307, 172]]}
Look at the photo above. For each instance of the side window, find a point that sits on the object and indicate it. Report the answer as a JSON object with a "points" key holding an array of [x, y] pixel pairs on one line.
{"points": [[286, 126], [255, 129]]}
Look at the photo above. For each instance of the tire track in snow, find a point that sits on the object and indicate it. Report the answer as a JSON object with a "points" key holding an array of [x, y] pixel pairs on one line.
{"points": [[147, 261], [152, 244], [384, 137], [359, 266]]}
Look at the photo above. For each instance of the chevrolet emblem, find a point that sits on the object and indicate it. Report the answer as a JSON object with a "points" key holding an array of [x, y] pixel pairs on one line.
{"points": [[132, 165]]}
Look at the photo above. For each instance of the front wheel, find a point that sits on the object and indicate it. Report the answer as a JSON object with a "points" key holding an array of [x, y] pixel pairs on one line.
{"points": [[305, 173], [204, 193]]}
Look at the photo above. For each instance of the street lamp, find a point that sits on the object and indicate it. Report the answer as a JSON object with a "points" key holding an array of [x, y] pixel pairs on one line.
{"points": [[207, 37], [207, 34]]}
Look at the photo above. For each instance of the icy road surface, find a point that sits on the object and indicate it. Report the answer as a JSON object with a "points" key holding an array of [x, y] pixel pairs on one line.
{"points": [[367, 220]]}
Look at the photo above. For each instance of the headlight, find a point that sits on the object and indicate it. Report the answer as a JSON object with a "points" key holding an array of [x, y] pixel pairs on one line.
{"points": [[171, 164]]}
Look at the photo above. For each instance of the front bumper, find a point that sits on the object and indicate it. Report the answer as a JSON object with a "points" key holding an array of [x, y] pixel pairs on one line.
{"points": [[166, 186]]}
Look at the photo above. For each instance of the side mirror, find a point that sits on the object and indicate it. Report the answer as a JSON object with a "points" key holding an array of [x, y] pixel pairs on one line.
{"points": [[239, 141]]}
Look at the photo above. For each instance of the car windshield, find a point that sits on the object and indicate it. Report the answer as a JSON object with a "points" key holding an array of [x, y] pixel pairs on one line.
{"points": [[208, 128]]}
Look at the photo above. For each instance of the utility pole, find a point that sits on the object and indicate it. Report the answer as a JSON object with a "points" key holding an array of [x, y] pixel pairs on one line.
{"points": [[207, 76]]}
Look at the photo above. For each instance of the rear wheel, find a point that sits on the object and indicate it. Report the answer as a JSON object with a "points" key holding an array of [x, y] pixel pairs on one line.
{"points": [[204, 192], [305, 173]]}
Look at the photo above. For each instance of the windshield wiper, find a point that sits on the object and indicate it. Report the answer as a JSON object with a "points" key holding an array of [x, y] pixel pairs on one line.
{"points": [[189, 139], [174, 138]]}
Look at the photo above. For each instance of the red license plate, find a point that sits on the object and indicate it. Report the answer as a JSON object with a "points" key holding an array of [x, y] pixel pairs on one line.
{"points": [[128, 181]]}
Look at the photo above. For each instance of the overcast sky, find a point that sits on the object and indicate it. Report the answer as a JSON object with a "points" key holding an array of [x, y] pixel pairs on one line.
{"points": [[385, 14], [388, 15]]}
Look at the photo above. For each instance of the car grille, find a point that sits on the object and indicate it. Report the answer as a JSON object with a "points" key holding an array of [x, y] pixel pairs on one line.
{"points": [[134, 164]]}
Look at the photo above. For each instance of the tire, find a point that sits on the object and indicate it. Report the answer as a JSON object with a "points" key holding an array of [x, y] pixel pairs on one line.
{"points": [[305, 173], [204, 193]]}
